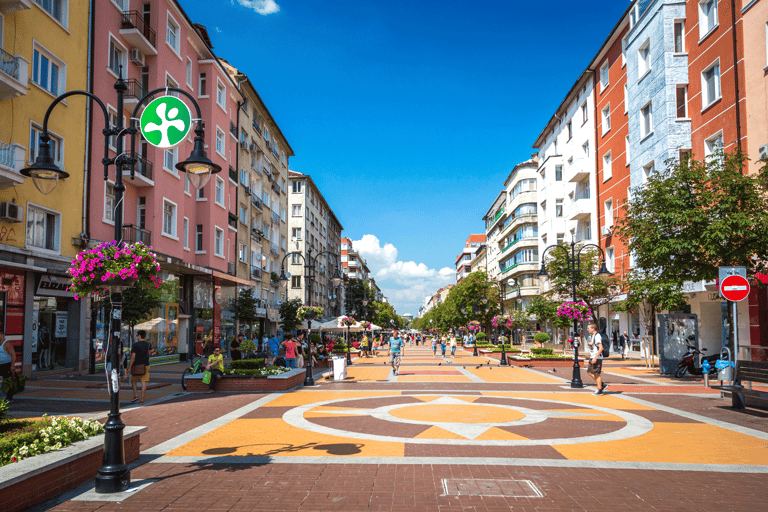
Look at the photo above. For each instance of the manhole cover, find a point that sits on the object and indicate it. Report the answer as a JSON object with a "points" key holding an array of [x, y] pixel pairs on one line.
{"points": [[474, 487]]}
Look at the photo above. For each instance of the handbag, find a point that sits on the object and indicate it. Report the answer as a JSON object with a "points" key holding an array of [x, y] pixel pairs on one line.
{"points": [[207, 378], [138, 370]]}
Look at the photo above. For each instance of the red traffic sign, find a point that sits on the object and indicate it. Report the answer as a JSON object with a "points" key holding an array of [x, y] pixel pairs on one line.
{"points": [[734, 288]]}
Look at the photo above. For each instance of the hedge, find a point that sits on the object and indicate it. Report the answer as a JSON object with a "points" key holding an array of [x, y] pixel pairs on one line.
{"points": [[541, 351], [247, 364]]}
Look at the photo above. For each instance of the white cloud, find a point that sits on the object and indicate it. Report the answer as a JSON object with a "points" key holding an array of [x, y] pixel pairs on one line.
{"points": [[260, 6], [404, 283]]}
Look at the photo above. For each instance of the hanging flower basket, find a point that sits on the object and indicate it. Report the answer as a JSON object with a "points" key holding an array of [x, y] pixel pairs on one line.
{"points": [[501, 320], [348, 321], [97, 271], [474, 325], [308, 312], [575, 311], [366, 325]]}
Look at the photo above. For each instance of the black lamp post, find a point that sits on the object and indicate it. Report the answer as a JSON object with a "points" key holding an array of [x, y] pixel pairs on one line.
{"points": [[349, 340], [472, 309], [503, 293], [309, 276], [113, 475], [573, 267]]}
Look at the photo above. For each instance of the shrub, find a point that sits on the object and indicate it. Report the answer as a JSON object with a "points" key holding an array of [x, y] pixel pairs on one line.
{"points": [[481, 336], [507, 348], [22, 439], [247, 346], [541, 351], [482, 343], [247, 364], [3, 409], [338, 347], [340, 339], [541, 337], [315, 338], [260, 372]]}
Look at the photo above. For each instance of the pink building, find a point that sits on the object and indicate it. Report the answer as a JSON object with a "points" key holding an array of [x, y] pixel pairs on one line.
{"points": [[154, 44]]}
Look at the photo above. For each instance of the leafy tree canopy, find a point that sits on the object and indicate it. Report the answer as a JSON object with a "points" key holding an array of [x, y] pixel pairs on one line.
{"points": [[288, 309]]}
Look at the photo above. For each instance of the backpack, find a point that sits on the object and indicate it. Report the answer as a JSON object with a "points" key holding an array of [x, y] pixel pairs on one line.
{"points": [[606, 346]]}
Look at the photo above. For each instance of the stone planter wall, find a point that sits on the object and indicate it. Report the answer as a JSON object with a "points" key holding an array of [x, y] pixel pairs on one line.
{"points": [[547, 363], [495, 355], [246, 384], [36, 479]]}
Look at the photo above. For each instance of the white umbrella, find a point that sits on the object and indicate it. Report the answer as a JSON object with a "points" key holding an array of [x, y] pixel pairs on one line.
{"points": [[335, 325]]}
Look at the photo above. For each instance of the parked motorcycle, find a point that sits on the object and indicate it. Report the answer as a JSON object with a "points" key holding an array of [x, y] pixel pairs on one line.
{"points": [[687, 364]]}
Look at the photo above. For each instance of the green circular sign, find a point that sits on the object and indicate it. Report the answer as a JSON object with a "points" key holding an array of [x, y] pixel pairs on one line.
{"points": [[166, 122]]}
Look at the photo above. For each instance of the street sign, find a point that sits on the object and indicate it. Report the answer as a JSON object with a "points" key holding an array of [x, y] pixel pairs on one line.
{"points": [[724, 272], [166, 122], [734, 288]]}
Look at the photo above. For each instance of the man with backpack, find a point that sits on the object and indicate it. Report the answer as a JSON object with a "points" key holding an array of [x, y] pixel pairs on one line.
{"points": [[596, 353]]}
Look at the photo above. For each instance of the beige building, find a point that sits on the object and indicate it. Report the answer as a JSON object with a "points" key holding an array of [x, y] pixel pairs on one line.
{"points": [[313, 227], [756, 82], [261, 221]]}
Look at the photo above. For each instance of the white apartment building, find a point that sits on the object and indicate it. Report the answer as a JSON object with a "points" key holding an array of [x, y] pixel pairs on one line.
{"points": [[464, 260], [313, 229], [493, 219], [566, 168]]}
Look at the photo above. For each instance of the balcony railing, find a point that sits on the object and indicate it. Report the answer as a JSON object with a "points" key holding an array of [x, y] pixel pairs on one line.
{"points": [[230, 268], [135, 90], [233, 129], [233, 174], [274, 249], [133, 234], [133, 19], [275, 218], [256, 273], [144, 167], [8, 155], [256, 203], [10, 65]]}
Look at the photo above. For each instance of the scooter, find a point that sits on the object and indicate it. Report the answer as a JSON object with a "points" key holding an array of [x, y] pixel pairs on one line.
{"points": [[686, 365]]}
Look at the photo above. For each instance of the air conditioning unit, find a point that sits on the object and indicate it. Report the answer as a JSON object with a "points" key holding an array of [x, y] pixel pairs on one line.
{"points": [[244, 144], [763, 152], [606, 230], [247, 191], [254, 148], [11, 212], [137, 57]]}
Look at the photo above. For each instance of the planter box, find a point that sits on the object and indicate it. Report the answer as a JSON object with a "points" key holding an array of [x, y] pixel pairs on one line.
{"points": [[495, 355], [549, 363], [248, 384], [36, 479]]}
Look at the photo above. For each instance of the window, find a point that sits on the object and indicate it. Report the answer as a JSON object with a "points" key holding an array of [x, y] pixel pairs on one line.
{"points": [[43, 228], [633, 16], [604, 76], [296, 234], [713, 144], [56, 8], [626, 102], [186, 183], [558, 207], [624, 51], [219, 192], [202, 89], [169, 218], [644, 59], [242, 253], [282, 214], [172, 34], [608, 209], [585, 149], [646, 121], [201, 194], [296, 210], [607, 170], [707, 17], [626, 150], [609, 259], [170, 82], [220, 141], [297, 187], [584, 113], [189, 72], [679, 36], [218, 242], [56, 144], [221, 94], [647, 171], [117, 56], [710, 84], [527, 185], [48, 71], [606, 118], [185, 234], [570, 130], [243, 214], [169, 160], [560, 238], [199, 238], [112, 113], [295, 281], [682, 102], [558, 173], [109, 202]]}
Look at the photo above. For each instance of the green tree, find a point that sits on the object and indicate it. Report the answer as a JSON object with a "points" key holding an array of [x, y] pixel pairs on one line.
{"points": [[245, 309], [356, 291], [465, 302], [288, 309], [138, 304]]}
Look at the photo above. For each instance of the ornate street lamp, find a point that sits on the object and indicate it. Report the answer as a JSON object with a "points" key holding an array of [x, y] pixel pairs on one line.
{"points": [[113, 475], [573, 267], [503, 293]]}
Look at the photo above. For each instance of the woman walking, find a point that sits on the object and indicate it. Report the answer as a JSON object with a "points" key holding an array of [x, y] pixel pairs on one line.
{"points": [[453, 345], [443, 343], [434, 346]]}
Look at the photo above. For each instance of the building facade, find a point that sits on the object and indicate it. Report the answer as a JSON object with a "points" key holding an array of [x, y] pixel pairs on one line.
{"points": [[468, 253]]}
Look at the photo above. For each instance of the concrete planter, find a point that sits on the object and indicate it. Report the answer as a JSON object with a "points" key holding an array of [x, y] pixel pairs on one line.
{"points": [[248, 384], [36, 479], [548, 363]]}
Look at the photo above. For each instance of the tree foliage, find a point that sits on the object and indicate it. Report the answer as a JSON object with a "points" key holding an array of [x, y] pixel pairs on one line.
{"points": [[288, 309], [138, 303], [245, 309], [357, 290], [465, 295]]}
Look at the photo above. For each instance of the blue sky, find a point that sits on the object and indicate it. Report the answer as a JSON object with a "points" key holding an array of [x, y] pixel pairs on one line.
{"points": [[409, 115]]}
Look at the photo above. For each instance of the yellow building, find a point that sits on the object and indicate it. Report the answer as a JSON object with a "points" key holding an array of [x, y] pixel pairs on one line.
{"points": [[44, 54]]}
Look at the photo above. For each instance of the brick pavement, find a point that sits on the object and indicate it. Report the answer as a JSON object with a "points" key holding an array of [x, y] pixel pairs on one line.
{"points": [[372, 444]]}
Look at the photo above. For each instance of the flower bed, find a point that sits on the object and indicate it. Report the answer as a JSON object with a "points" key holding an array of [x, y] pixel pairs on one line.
{"points": [[250, 384], [35, 479], [21, 439]]}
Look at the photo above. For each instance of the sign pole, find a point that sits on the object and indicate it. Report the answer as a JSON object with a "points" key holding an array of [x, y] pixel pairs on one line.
{"points": [[735, 340]]}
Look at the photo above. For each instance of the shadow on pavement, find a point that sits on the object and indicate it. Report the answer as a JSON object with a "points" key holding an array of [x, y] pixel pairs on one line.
{"points": [[331, 449]]}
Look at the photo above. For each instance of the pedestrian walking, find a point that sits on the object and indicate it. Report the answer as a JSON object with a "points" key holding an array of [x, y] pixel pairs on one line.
{"points": [[595, 367], [453, 345], [234, 348], [138, 367], [623, 340], [443, 343], [434, 346], [396, 346], [290, 351]]}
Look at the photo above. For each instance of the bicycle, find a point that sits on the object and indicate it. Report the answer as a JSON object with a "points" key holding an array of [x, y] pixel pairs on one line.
{"points": [[197, 367]]}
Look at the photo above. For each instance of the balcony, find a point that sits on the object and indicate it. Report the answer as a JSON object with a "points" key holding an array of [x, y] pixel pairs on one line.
{"points": [[274, 249], [256, 203], [233, 174], [579, 176], [138, 33], [275, 187], [275, 218], [522, 242], [13, 76], [256, 234], [143, 175], [256, 273], [528, 266], [9, 6], [232, 220], [231, 268], [581, 209], [11, 162], [134, 93], [233, 130], [132, 234], [512, 223]]}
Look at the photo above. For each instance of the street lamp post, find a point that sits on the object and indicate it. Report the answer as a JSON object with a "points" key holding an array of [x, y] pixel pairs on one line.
{"points": [[309, 275], [573, 267], [503, 293], [113, 475], [472, 309], [349, 340]]}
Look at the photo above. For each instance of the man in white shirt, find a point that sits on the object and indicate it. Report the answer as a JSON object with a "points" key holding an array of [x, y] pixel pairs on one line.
{"points": [[595, 367]]}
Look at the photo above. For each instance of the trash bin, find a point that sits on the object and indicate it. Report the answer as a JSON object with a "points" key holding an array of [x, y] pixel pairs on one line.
{"points": [[339, 367]]}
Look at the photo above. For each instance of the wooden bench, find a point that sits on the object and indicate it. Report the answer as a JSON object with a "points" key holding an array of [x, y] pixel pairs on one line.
{"points": [[750, 371]]}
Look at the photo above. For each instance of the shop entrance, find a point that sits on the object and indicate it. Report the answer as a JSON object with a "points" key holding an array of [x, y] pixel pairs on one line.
{"points": [[49, 333]]}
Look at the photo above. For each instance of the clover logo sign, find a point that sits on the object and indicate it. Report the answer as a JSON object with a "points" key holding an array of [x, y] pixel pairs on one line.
{"points": [[166, 122]]}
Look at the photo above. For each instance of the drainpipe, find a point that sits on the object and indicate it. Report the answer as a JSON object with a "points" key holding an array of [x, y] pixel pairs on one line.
{"points": [[86, 221], [736, 73]]}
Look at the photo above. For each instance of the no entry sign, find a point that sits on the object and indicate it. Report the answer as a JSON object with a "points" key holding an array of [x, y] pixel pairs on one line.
{"points": [[734, 288]]}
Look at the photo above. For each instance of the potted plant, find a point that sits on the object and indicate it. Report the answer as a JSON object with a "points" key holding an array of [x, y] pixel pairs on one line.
{"points": [[308, 312], [97, 271]]}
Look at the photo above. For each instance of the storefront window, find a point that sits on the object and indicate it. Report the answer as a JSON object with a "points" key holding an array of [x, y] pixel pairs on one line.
{"points": [[49, 332]]}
